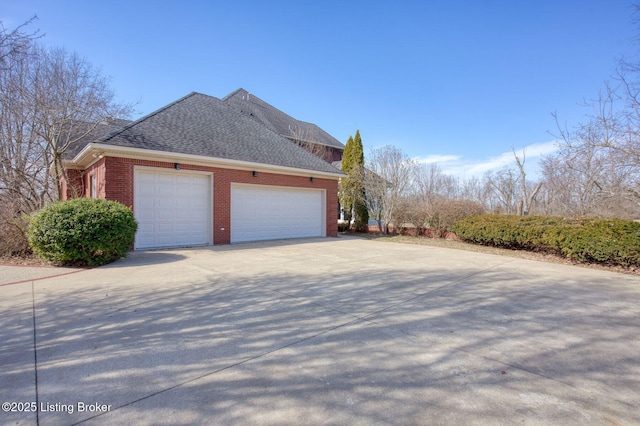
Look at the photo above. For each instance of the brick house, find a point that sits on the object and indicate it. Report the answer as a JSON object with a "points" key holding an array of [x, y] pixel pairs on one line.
{"points": [[204, 170]]}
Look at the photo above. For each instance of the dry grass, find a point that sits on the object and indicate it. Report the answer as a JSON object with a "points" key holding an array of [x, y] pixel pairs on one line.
{"points": [[26, 260], [521, 254]]}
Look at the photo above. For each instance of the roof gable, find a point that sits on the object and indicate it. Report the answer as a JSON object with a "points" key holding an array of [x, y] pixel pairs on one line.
{"points": [[278, 121]]}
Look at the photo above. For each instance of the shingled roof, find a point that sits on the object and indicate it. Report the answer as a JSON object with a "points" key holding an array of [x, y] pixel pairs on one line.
{"points": [[278, 121], [203, 125], [100, 131]]}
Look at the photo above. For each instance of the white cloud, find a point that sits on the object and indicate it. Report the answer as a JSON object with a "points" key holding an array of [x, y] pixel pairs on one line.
{"points": [[459, 166], [437, 158]]}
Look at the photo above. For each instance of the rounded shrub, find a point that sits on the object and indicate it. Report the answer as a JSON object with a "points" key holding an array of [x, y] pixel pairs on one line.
{"points": [[82, 232], [587, 240]]}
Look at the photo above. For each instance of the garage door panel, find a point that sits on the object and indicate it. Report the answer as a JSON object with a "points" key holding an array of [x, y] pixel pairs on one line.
{"points": [[267, 213], [146, 215], [164, 215], [144, 241], [194, 216], [163, 200], [144, 231], [172, 209]]}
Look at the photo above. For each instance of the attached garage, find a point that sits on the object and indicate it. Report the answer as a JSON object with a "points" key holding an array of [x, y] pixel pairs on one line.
{"points": [[260, 212], [173, 209], [203, 171]]}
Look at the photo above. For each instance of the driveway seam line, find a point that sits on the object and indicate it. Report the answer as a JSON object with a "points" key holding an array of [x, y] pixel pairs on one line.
{"points": [[35, 350], [355, 320], [244, 361], [43, 278]]}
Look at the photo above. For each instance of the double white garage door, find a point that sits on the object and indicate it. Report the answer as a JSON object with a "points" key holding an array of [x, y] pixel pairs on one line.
{"points": [[271, 213], [175, 209]]}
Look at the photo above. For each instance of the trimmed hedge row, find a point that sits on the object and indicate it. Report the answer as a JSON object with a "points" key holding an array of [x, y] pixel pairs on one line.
{"points": [[586, 240], [82, 232]]}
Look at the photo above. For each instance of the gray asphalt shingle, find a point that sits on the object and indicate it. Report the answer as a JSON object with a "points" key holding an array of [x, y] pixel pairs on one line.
{"points": [[203, 125], [278, 121]]}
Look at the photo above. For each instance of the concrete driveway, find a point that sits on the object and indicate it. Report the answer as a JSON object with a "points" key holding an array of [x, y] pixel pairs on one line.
{"points": [[321, 331]]}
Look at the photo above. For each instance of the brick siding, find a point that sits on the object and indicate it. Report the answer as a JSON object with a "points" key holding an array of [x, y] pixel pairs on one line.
{"points": [[115, 182]]}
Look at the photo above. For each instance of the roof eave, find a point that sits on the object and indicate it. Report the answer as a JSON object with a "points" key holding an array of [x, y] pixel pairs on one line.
{"points": [[95, 151], [295, 139]]}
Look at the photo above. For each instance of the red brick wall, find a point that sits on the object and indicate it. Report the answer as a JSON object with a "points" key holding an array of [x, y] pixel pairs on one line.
{"points": [[74, 188], [119, 178], [80, 182], [119, 187], [97, 169]]}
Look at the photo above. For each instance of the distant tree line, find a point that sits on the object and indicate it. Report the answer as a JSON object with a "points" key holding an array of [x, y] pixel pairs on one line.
{"points": [[594, 173], [593, 178]]}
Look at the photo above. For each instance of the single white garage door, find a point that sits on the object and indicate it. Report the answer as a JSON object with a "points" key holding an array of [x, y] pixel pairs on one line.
{"points": [[172, 209], [271, 213]]}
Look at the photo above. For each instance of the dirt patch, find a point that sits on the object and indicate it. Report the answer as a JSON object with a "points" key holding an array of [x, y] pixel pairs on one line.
{"points": [[29, 260]]}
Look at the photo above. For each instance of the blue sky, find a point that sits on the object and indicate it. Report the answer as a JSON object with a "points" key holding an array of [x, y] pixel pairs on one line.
{"points": [[462, 82]]}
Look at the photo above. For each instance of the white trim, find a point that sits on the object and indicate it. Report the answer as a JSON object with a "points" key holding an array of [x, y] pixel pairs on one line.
{"points": [[93, 185], [267, 186], [170, 171], [164, 170], [94, 151]]}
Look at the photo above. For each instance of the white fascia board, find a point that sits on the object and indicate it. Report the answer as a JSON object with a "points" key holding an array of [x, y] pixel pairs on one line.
{"points": [[94, 151]]}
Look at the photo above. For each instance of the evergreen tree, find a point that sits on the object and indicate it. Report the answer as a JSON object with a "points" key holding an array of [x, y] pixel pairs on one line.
{"points": [[359, 204], [348, 156], [345, 192], [358, 151], [352, 191]]}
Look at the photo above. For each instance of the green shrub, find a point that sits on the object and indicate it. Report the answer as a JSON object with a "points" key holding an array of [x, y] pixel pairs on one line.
{"points": [[82, 232], [587, 240], [606, 241], [507, 231]]}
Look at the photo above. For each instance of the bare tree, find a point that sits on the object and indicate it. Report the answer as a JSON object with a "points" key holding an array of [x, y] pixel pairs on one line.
{"points": [[49, 101], [387, 179], [527, 197], [585, 179], [477, 190], [307, 137], [71, 99], [431, 183], [23, 181], [601, 155], [17, 42], [22, 178], [23, 170], [502, 186]]}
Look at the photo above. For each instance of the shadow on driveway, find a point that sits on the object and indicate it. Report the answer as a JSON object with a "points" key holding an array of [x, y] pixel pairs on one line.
{"points": [[408, 340]]}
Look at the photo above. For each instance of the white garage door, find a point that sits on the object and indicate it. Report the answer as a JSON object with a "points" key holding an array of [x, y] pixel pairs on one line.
{"points": [[271, 213], [172, 209]]}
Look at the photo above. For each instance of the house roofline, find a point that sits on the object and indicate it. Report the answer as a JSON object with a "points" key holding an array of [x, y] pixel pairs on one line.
{"points": [[95, 151], [295, 139], [146, 117]]}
